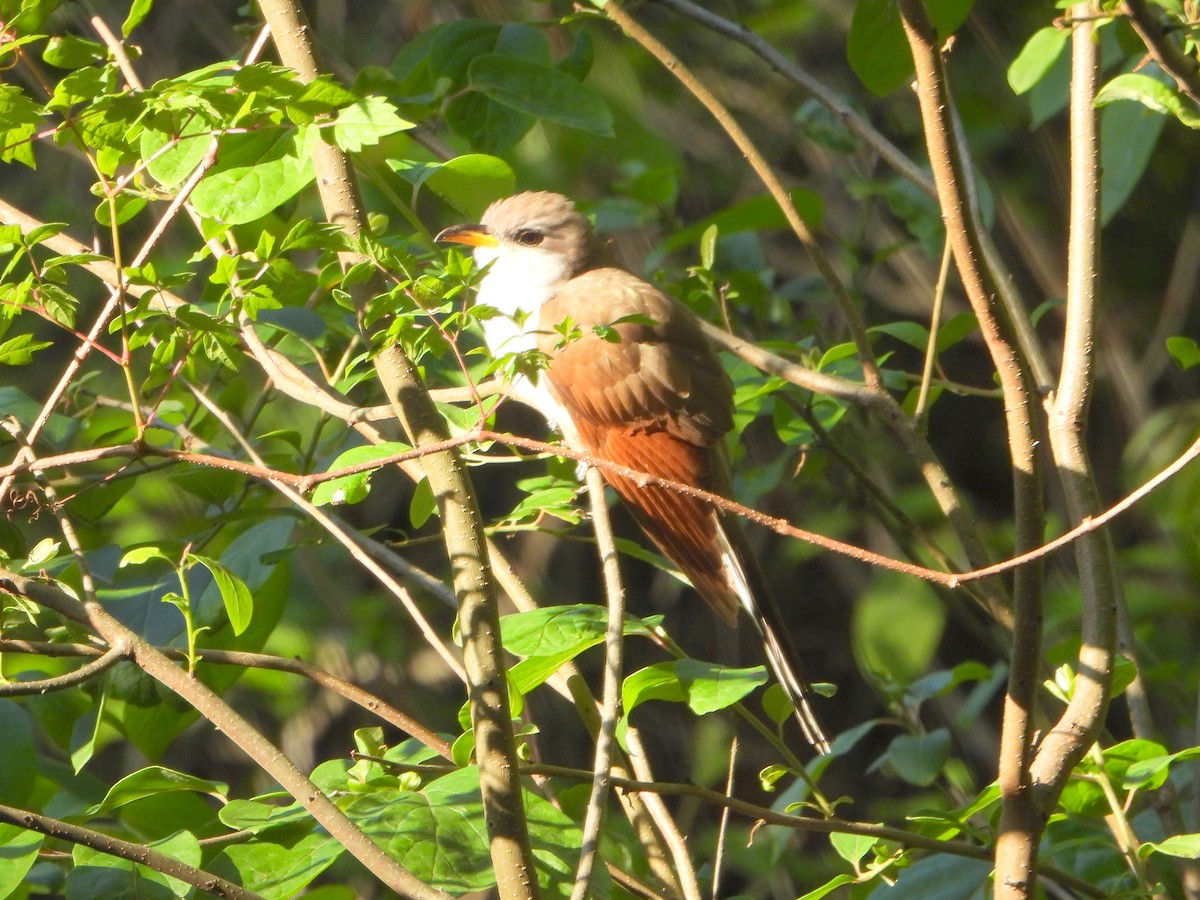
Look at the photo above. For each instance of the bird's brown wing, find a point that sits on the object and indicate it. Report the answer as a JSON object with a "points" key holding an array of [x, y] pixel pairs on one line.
{"points": [[645, 390]]}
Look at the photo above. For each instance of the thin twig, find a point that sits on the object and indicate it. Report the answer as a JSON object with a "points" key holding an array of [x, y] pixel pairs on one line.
{"points": [[935, 319], [780, 526], [830, 99]]}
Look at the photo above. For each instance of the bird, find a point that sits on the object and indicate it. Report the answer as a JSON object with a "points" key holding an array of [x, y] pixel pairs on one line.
{"points": [[631, 376]]}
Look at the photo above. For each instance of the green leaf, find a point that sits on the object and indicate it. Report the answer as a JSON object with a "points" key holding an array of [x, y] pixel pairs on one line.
{"points": [[828, 887], [938, 877], [540, 91], [877, 48], [552, 630], [70, 52], [138, 10], [957, 328], [440, 836], [919, 759], [171, 165], [281, 867], [469, 183], [255, 816], [938, 684], [1184, 350], [851, 847], [84, 733], [704, 687], [17, 775], [437, 834], [1150, 93], [902, 655], [423, 504], [1143, 764], [42, 552], [907, 332], [757, 214], [366, 122], [488, 125], [150, 781], [708, 246], [255, 173], [19, 351], [18, 852], [1036, 58], [1128, 135], [139, 555], [1183, 846], [354, 488], [102, 876], [239, 602]]}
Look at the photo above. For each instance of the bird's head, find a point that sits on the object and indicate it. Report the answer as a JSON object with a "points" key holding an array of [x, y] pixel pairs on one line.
{"points": [[537, 231]]}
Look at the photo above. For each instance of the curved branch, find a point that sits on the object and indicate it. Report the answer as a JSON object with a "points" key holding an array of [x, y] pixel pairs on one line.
{"points": [[1153, 31], [145, 856], [98, 666], [228, 722], [351, 692]]}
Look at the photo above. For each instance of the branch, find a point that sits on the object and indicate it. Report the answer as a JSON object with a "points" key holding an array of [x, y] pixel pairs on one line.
{"points": [[228, 722], [304, 669], [98, 666], [146, 856], [614, 643], [495, 742], [1080, 724], [1017, 844], [1185, 69]]}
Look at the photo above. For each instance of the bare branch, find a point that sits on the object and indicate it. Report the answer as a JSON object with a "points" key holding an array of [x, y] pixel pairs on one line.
{"points": [[1185, 69], [229, 723], [614, 644], [47, 685], [145, 856]]}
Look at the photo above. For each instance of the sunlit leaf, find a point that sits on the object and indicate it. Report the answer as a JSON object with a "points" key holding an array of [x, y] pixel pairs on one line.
{"points": [[153, 780]]}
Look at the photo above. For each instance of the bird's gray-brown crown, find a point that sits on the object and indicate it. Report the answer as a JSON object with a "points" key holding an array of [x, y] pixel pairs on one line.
{"points": [[547, 221]]}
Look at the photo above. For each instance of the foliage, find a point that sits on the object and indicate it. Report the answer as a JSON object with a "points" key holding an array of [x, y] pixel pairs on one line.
{"points": [[197, 441]]}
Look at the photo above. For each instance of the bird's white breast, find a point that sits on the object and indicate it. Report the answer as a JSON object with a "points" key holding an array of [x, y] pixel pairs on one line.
{"points": [[519, 281]]}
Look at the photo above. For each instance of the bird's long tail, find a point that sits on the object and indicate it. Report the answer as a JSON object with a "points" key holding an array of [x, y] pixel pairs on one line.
{"points": [[756, 598]]}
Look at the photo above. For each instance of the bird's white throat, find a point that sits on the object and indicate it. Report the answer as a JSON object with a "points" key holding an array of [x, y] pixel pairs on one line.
{"points": [[516, 285]]}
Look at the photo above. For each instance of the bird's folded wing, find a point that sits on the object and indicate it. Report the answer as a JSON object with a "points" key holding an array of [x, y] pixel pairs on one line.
{"points": [[634, 358]]}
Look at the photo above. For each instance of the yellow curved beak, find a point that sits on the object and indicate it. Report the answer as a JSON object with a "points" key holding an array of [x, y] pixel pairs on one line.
{"points": [[472, 235]]}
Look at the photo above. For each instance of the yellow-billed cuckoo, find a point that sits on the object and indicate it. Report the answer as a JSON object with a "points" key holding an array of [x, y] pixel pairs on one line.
{"points": [[639, 386]]}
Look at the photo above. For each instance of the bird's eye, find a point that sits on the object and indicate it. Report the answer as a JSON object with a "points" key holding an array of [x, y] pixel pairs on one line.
{"points": [[528, 237]]}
